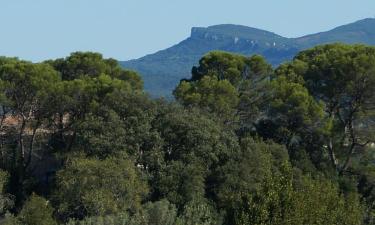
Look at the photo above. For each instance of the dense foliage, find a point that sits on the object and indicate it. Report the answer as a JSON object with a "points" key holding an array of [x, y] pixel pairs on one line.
{"points": [[82, 144]]}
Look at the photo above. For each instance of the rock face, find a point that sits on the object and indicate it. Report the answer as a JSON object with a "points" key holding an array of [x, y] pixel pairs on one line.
{"points": [[163, 70]]}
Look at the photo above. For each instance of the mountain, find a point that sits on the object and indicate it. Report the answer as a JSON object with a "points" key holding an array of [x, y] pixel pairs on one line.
{"points": [[163, 70]]}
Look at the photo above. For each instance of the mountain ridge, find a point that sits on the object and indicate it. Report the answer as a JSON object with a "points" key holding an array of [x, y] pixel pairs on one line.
{"points": [[163, 70]]}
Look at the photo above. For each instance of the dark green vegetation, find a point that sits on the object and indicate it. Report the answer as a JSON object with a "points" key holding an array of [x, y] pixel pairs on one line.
{"points": [[245, 144], [163, 70]]}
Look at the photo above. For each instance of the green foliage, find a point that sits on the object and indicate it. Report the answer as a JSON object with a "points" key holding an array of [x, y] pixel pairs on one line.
{"points": [[191, 134], [88, 64], [118, 219], [6, 200], [282, 201], [10, 219], [180, 182], [228, 85], [294, 118], [342, 76], [193, 144], [364, 169], [247, 146], [247, 172], [198, 212], [90, 187], [120, 123], [154, 213], [223, 66], [27, 88], [36, 211], [217, 96], [292, 112], [26, 98], [311, 206], [160, 213], [269, 205]]}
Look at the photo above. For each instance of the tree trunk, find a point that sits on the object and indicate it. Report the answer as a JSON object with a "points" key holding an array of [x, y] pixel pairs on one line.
{"points": [[332, 154]]}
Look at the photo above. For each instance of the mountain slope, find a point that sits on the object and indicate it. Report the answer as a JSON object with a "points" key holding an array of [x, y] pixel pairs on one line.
{"points": [[163, 70], [362, 31]]}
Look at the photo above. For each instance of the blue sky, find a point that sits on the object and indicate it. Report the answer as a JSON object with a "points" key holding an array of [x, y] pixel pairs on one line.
{"points": [[123, 29]]}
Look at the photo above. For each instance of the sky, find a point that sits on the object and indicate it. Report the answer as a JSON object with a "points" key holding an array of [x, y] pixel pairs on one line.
{"points": [[37, 30]]}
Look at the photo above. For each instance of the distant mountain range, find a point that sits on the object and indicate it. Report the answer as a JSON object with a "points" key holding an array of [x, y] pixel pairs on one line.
{"points": [[163, 70]]}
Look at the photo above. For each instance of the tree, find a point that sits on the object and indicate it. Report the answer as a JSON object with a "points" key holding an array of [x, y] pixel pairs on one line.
{"points": [[363, 172], [246, 172], [118, 219], [247, 146], [231, 67], [191, 134], [216, 96], [90, 64], [193, 145], [26, 102], [160, 213], [6, 199], [198, 212], [288, 200], [180, 182], [88, 79], [154, 213], [90, 187], [342, 76], [121, 122], [229, 85], [294, 118], [36, 211], [332, 207]]}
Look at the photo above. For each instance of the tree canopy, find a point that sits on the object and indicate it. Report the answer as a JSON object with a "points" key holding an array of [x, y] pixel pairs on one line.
{"points": [[81, 143]]}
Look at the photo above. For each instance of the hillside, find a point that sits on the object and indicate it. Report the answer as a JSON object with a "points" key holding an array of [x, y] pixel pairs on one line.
{"points": [[163, 70]]}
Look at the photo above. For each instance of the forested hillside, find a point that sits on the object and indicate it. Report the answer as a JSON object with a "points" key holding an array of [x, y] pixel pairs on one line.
{"points": [[163, 70], [243, 144]]}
